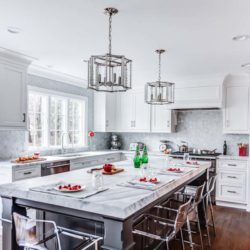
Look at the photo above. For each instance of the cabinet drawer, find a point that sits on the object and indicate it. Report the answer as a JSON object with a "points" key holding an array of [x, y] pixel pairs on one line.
{"points": [[83, 164], [232, 177], [226, 164], [27, 173], [232, 193], [112, 158]]}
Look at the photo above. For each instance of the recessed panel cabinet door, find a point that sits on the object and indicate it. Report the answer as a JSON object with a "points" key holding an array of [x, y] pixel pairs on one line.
{"points": [[12, 96], [236, 115], [161, 119], [141, 114], [125, 112], [110, 112]]}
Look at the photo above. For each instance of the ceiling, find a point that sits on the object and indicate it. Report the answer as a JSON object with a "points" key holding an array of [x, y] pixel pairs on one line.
{"points": [[197, 34]]}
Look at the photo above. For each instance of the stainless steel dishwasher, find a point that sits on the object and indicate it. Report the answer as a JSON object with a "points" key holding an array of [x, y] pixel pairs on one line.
{"points": [[55, 167]]}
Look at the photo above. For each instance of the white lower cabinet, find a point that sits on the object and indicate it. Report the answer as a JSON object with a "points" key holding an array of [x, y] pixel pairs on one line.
{"points": [[22, 172], [94, 161], [231, 187]]}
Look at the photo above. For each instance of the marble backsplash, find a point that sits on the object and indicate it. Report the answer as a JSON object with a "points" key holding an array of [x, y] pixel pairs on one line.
{"points": [[202, 129]]}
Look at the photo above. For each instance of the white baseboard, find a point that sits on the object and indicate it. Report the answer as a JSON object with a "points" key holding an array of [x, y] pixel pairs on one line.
{"points": [[231, 204]]}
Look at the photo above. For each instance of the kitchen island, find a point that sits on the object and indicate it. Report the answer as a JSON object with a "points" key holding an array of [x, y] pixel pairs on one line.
{"points": [[110, 214]]}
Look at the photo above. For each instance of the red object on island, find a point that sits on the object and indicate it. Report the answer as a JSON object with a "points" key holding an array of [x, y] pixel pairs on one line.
{"points": [[91, 134]]}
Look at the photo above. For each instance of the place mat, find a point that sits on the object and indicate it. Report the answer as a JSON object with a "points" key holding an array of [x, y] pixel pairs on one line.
{"points": [[146, 186], [166, 172], [77, 195]]}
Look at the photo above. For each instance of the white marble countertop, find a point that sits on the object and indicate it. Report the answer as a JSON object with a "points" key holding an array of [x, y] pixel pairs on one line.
{"points": [[234, 157], [119, 202], [54, 158]]}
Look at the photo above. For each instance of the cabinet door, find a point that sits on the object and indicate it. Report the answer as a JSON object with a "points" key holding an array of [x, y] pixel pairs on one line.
{"points": [[104, 112], [125, 112], [99, 112], [161, 119], [13, 96], [141, 119], [111, 112], [237, 109]]}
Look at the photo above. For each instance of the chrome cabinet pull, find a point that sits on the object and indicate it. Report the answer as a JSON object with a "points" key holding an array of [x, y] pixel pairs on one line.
{"points": [[24, 117], [232, 192], [26, 173], [232, 177], [231, 165]]}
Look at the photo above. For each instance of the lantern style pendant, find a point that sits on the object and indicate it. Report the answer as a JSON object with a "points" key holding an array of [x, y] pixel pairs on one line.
{"points": [[159, 92], [109, 72]]}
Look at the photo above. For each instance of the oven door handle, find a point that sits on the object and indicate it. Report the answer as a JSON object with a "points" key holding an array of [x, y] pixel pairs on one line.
{"points": [[57, 166]]}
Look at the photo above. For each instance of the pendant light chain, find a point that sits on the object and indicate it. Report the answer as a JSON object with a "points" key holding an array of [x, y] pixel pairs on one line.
{"points": [[110, 32], [159, 68]]}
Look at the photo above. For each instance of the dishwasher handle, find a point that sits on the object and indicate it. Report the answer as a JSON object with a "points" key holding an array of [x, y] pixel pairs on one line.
{"points": [[54, 166]]}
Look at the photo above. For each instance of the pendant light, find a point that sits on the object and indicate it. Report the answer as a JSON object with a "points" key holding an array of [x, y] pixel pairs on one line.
{"points": [[109, 72], [159, 92]]}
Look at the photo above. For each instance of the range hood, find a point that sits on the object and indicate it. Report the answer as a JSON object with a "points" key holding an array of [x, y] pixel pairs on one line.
{"points": [[197, 97]]}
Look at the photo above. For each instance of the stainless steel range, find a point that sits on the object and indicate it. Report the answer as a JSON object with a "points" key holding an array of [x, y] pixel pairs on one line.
{"points": [[202, 157]]}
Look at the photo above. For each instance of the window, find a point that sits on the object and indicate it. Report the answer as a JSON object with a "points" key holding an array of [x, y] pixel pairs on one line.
{"points": [[53, 116]]}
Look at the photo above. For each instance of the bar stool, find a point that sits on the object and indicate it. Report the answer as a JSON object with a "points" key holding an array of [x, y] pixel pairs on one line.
{"points": [[206, 204], [29, 236], [208, 207], [162, 229], [197, 197]]}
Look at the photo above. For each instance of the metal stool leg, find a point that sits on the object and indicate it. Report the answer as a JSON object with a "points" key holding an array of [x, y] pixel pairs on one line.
{"points": [[182, 240], [190, 235], [206, 220], [199, 227], [212, 214]]}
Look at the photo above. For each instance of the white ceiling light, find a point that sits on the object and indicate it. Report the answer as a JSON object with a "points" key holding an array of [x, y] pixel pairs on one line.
{"points": [[13, 30], [240, 37], [245, 65], [109, 72]]}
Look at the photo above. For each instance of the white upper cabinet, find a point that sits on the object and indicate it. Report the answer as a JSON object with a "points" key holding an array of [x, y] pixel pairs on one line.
{"points": [[133, 114], [236, 110], [163, 119], [104, 112], [13, 94]]}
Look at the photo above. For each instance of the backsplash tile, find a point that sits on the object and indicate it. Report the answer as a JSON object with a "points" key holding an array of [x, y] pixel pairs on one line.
{"points": [[202, 129]]}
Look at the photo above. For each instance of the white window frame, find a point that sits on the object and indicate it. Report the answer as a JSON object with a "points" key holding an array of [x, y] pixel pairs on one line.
{"points": [[67, 96]]}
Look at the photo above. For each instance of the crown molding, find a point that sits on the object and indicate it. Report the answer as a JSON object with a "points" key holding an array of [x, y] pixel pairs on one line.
{"points": [[52, 74]]}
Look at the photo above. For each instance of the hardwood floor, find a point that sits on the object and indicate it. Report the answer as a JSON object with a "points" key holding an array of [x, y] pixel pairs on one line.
{"points": [[233, 229]]}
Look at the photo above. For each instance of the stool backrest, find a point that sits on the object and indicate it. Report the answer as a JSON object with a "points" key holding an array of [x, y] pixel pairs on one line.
{"points": [[181, 216], [25, 230], [199, 194], [211, 183]]}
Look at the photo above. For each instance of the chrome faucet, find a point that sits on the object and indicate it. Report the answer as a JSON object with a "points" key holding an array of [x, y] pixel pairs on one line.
{"points": [[63, 149]]}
